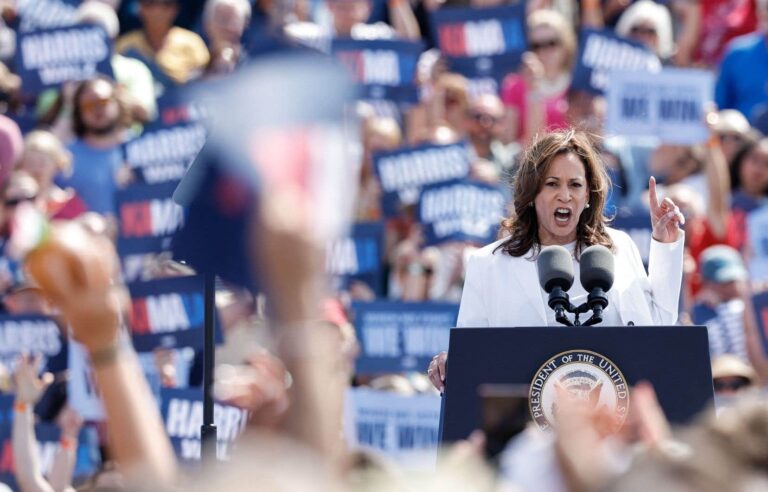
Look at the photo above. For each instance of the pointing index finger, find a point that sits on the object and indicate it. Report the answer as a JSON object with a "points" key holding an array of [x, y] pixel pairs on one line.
{"points": [[652, 196]]}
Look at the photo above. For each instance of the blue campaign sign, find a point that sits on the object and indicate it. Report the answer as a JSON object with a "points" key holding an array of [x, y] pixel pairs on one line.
{"points": [[31, 334], [182, 411], [50, 57], [668, 105], [403, 172], [148, 218], [481, 43], [167, 313], [164, 153], [601, 52], [383, 69], [400, 336], [405, 429], [461, 210], [46, 14], [638, 225], [177, 106], [760, 304], [358, 256]]}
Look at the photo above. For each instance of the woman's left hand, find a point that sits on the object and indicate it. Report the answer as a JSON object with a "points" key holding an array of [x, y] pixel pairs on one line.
{"points": [[666, 217]]}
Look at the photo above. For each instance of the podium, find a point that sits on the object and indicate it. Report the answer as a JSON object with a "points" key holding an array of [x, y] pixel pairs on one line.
{"points": [[595, 361]]}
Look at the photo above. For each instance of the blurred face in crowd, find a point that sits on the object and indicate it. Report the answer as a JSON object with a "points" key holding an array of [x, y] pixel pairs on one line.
{"points": [[20, 189], [27, 301], [673, 162], [158, 13], [762, 15], [645, 32], [226, 24], [547, 44], [40, 166], [561, 199], [754, 170], [730, 143], [586, 111], [484, 118], [731, 385], [726, 291], [347, 13], [99, 108]]}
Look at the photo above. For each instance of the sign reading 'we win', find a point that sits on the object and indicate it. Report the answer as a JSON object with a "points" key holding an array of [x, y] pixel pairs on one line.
{"points": [[668, 105]]}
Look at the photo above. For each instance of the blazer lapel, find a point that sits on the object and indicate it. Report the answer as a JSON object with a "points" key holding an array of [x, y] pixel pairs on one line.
{"points": [[529, 291]]}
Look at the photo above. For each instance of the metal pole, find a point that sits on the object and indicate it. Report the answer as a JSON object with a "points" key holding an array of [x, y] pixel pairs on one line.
{"points": [[208, 430]]}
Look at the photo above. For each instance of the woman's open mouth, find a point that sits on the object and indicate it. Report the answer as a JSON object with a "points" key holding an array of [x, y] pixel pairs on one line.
{"points": [[562, 215]]}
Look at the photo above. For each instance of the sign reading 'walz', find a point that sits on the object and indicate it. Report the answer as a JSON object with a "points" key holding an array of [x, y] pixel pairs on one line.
{"points": [[50, 57], [667, 105], [403, 172], [163, 153], [384, 69]]}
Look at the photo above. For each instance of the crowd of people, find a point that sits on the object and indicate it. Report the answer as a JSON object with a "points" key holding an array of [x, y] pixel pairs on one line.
{"points": [[288, 352]]}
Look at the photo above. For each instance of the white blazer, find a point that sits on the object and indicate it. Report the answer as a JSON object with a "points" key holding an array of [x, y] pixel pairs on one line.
{"points": [[504, 291]]}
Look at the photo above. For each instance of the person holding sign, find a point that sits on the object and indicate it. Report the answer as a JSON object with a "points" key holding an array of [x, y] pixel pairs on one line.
{"points": [[536, 95], [560, 192]]}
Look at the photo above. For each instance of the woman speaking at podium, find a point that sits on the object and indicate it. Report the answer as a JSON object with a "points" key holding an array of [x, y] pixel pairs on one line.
{"points": [[560, 190]]}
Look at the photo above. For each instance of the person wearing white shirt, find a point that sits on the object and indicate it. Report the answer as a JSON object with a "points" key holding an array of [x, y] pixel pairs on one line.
{"points": [[560, 190]]}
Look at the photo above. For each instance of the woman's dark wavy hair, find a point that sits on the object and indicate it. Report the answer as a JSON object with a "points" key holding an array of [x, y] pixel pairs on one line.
{"points": [[523, 227], [741, 155]]}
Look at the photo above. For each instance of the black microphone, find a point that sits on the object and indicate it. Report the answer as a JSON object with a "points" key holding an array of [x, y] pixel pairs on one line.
{"points": [[596, 275], [556, 277]]}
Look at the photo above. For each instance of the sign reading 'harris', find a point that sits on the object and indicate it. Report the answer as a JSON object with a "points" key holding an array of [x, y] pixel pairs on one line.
{"points": [[601, 52], [50, 57], [403, 172], [163, 153], [461, 211]]}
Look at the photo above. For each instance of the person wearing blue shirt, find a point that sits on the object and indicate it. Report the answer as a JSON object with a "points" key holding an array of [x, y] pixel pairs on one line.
{"points": [[99, 122], [742, 83]]}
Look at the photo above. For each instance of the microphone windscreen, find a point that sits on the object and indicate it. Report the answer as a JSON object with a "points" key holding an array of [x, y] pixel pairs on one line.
{"points": [[555, 268], [596, 268]]}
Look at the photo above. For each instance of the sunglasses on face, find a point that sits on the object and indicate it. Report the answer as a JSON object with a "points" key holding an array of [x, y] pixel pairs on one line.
{"points": [[732, 137], [94, 104], [642, 31], [14, 202], [544, 44], [730, 384], [483, 119]]}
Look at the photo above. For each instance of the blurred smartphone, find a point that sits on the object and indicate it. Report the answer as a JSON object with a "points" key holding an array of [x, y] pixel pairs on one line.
{"points": [[505, 414]]}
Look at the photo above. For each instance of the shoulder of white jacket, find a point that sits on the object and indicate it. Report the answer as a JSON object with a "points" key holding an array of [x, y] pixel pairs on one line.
{"points": [[618, 237], [488, 250]]}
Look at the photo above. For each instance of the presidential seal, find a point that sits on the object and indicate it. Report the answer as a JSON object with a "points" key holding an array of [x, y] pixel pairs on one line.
{"points": [[585, 377]]}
